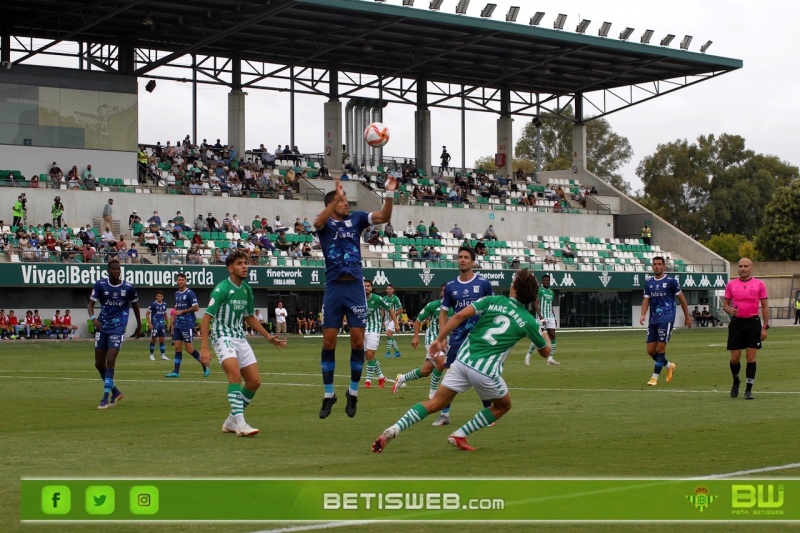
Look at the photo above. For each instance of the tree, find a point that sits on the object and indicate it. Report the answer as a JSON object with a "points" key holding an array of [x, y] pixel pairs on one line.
{"points": [[778, 238], [606, 151], [485, 163], [726, 245], [712, 186]]}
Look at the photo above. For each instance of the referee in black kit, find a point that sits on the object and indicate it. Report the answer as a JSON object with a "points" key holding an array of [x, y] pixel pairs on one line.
{"points": [[746, 330]]}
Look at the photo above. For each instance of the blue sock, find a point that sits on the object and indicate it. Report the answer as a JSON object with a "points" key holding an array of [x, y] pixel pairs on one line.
{"points": [[196, 355], [661, 362], [486, 403], [446, 411], [163, 349], [328, 363], [178, 359], [108, 383], [152, 348], [356, 367]]}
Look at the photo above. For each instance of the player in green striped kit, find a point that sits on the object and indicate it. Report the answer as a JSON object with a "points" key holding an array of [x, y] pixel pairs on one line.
{"points": [[372, 334], [433, 366], [394, 302], [232, 304], [544, 311], [479, 363]]}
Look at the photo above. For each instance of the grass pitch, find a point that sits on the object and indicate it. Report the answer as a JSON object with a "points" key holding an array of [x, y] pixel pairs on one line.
{"points": [[592, 416]]}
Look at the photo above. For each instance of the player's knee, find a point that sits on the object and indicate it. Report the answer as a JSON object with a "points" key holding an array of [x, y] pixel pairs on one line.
{"points": [[253, 385]]}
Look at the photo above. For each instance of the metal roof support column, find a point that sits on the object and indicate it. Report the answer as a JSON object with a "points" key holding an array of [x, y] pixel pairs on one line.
{"points": [[505, 135], [194, 98], [5, 46], [291, 109], [422, 128], [333, 124], [236, 109], [125, 57], [579, 137], [463, 132]]}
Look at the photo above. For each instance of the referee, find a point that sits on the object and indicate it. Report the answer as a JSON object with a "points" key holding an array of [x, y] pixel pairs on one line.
{"points": [[746, 330]]}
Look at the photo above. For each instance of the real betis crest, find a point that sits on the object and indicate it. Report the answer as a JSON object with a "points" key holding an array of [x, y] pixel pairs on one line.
{"points": [[701, 498]]}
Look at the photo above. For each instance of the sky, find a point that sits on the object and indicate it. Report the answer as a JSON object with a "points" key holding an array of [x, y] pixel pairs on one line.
{"points": [[759, 102]]}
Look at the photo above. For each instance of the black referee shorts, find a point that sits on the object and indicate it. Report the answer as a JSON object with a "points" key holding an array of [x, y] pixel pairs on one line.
{"points": [[744, 333]]}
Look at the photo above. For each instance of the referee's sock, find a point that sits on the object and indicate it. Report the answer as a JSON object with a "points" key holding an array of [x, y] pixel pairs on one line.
{"points": [[750, 375], [735, 368]]}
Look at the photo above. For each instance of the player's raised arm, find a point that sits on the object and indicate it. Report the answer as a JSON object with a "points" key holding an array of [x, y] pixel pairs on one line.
{"points": [[385, 215]]}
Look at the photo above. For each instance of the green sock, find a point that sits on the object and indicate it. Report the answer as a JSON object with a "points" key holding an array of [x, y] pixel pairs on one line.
{"points": [[553, 348], [482, 419], [378, 371], [371, 368], [235, 399], [411, 376], [436, 378], [414, 415], [247, 397]]}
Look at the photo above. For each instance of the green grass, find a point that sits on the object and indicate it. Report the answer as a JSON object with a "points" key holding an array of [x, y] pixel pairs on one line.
{"points": [[592, 416]]}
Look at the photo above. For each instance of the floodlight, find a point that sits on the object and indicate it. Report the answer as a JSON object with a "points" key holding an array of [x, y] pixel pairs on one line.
{"points": [[646, 36], [147, 20], [560, 20], [380, 0], [604, 28], [488, 10], [462, 6], [705, 46], [537, 122], [666, 40], [435, 5], [151, 86], [511, 16], [536, 19], [583, 25], [687, 40], [408, 2], [625, 34]]}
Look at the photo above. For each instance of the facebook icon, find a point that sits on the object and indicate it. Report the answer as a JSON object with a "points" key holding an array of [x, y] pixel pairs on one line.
{"points": [[56, 500]]}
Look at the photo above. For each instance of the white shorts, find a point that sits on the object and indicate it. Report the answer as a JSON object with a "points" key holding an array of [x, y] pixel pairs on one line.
{"points": [[549, 323], [371, 341], [227, 347], [389, 326], [460, 378]]}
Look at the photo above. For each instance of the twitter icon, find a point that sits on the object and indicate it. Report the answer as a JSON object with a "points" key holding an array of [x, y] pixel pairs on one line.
{"points": [[99, 500]]}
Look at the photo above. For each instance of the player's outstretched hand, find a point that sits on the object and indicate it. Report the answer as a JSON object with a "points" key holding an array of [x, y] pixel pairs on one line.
{"points": [[278, 343], [390, 184], [415, 342], [137, 334]]}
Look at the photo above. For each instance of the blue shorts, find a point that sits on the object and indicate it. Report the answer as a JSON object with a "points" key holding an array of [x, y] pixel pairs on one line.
{"points": [[344, 298], [183, 335], [157, 332], [106, 341], [660, 332], [452, 352]]}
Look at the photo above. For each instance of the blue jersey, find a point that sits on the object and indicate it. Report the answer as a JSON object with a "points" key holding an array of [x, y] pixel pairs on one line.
{"points": [[185, 300], [458, 295], [341, 245], [158, 314], [662, 293], [115, 301]]}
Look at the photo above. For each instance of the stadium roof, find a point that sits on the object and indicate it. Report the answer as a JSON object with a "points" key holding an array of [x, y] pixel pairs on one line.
{"points": [[358, 36]]}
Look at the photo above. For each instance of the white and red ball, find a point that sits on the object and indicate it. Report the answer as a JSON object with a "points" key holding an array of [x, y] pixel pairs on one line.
{"points": [[376, 135]]}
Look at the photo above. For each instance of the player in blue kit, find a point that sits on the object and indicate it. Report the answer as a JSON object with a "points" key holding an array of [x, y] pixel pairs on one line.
{"points": [[157, 318], [116, 297], [339, 233], [183, 327], [660, 292], [458, 294]]}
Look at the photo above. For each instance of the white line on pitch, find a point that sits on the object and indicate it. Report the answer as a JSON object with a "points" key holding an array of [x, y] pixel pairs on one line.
{"points": [[748, 472]]}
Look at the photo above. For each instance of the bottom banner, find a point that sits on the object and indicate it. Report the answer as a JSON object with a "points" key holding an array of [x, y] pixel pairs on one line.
{"points": [[431, 500]]}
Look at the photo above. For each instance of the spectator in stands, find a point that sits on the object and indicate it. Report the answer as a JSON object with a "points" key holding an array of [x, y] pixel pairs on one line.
{"points": [[255, 225], [489, 233], [73, 182], [89, 184], [421, 230], [708, 317], [281, 243], [413, 253], [88, 253], [550, 194], [132, 255], [227, 222], [410, 232], [593, 191], [155, 219], [515, 262], [298, 227], [455, 194], [457, 233], [670, 263], [109, 242], [294, 251], [549, 257], [566, 250], [200, 224], [375, 238], [265, 243], [647, 234], [88, 174], [561, 194], [108, 214], [279, 226], [445, 157], [73, 173], [50, 241], [212, 223], [324, 173], [388, 231], [480, 247], [150, 239], [56, 175], [315, 245], [557, 207], [433, 231]]}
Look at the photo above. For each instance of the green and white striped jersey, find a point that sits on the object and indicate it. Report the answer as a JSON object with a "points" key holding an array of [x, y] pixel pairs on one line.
{"points": [[546, 297], [503, 322], [392, 301], [431, 313], [374, 305], [229, 305]]}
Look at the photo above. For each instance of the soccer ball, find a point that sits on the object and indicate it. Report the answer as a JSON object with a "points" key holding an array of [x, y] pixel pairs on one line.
{"points": [[376, 135]]}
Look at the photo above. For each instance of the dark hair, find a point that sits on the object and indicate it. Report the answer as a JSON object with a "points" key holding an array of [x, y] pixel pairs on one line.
{"points": [[159, 292], [467, 249], [112, 261], [368, 281], [546, 276], [526, 286], [235, 256], [181, 275], [658, 258], [329, 197]]}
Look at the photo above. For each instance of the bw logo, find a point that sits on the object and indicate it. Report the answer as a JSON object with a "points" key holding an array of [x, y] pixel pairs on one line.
{"points": [[380, 278], [701, 498], [426, 276]]}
